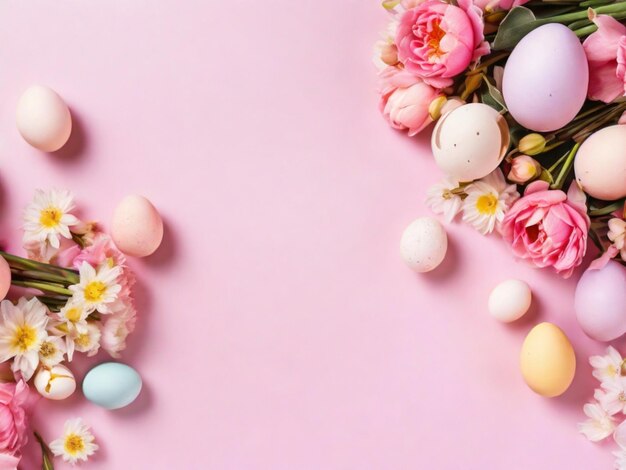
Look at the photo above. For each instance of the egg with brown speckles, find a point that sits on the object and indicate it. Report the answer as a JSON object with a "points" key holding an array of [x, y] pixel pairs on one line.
{"points": [[424, 244]]}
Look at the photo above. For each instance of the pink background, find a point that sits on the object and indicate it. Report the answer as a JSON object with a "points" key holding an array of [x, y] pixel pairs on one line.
{"points": [[279, 328]]}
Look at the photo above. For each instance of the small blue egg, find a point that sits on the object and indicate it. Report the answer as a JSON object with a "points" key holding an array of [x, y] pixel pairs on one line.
{"points": [[112, 385]]}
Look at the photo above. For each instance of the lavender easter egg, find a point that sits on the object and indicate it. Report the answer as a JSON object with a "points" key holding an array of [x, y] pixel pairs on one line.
{"points": [[546, 78], [600, 302]]}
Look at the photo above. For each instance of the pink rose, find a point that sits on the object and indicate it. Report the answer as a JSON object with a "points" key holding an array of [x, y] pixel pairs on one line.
{"points": [[405, 99], [548, 227], [606, 54], [14, 403], [437, 41]]}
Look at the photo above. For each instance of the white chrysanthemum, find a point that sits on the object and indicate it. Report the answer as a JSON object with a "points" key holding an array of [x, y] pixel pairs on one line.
{"points": [[599, 425], [617, 234], [87, 341], [387, 38], [97, 289], [487, 201], [52, 351], [22, 331], [444, 198], [77, 442], [48, 217], [607, 367]]}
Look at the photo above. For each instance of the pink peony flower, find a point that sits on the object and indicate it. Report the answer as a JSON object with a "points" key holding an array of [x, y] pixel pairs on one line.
{"points": [[405, 100], [14, 404], [548, 227], [437, 41], [606, 55]]}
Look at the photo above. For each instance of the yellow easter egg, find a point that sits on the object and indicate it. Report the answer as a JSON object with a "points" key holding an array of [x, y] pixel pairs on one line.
{"points": [[547, 360]]}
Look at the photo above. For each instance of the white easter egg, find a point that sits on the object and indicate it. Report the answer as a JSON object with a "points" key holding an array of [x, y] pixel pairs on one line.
{"points": [[470, 141], [43, 118], [56, 383], [137, 227], [424, 244], [509, 300]]}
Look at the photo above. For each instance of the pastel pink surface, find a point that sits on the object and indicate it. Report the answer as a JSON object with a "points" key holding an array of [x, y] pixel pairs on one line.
{"points": [[278, 328]]}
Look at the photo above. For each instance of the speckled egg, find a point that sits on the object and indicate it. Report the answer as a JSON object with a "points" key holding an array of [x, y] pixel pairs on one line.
{"points": [[547, 360], [424, 244], [137, 227], [600, 164], [43, 119], [112, 385], [56, 383], [470, 141], [509, 300], [600, 302]]}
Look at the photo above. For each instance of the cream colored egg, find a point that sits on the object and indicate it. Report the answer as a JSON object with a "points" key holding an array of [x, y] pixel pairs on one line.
{"points": [[600, 164], [470, 141], [547, 360], [424, 244], [509, 300], [137, 227], [43, 119], [56, 383]]}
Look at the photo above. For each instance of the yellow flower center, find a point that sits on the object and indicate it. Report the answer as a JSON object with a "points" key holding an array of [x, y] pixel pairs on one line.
{"points": [[50, 217], [82, 340], [434, 40], [73, 314], [611, 370], [24, 338], [94, 291], [47, 349], [74, 444], [487, 204]]}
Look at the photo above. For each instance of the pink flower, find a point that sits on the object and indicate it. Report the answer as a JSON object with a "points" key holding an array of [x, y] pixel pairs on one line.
{"points": [[437, 41], [14, 404], [548, 227], [405, 100], [524, 169], [606, 55], [497, 5], [117, 326]]}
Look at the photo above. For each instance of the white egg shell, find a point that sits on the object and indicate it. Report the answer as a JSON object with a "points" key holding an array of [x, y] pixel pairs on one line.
{"points": [[137, 227], [546, 78], [600, 164], [470, 141], [424, 244], [56, 383], [509, 300], [43, 119]]}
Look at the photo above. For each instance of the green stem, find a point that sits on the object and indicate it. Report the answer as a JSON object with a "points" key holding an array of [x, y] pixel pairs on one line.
{"points": [[606, 210], [557, 163], [566, 168], [41, 276], [46, 463], [42, 286], [25, 264]]}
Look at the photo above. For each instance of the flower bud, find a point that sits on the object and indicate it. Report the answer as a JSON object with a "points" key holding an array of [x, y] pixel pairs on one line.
{"points": [[524, 169], [442, 105], [389, 54], [532, 144]]}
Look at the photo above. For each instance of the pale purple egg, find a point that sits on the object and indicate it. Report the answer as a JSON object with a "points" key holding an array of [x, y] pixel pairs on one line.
{"points": [[600, 302], [546, 78]]}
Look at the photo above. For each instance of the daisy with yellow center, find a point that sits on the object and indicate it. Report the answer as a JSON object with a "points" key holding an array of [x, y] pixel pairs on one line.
{"points": [[87, 341], [77, 442], [97, 289], [48, 218], [52, 351], [22, 332], [487, 201]]}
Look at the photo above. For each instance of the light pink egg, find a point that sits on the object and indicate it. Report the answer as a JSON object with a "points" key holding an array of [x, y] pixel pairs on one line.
{"points": [[137, 227], [5, 278], [600, 164], [600, 302], [43, 118]]}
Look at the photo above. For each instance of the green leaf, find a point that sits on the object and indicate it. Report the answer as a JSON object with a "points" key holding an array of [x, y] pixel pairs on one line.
{"points": [[518, 23], [495, 96]]}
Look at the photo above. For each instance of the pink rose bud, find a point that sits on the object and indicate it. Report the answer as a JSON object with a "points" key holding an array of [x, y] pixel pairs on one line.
{"points": [[389, 54], [524, 169]]}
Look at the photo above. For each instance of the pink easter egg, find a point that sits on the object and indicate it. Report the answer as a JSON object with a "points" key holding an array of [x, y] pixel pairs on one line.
{"points": [[137, 227], [600, 302], [5, 278]]}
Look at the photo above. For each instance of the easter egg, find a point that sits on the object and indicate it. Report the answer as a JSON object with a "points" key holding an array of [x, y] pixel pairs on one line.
{"points": [[112, 385], [5, 278], [600, 302], [137, 227], [547, 360], [470, 141], [56, 383], [546, 78], [424, 244], [600, 163], [509, 300], [43, 119]]}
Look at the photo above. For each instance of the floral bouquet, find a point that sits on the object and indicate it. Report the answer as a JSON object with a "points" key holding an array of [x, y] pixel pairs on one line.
{"points": [[76, 297]]}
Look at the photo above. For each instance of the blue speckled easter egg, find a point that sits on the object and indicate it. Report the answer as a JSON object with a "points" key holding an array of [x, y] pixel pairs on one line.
{"points": [[112, 385]]}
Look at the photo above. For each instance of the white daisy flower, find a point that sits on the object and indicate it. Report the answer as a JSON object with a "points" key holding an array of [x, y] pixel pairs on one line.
{"points": [[22, 332], [97, 289], [88, 341], [612, 395], [48, 217], [607, 367], [617, 235], [487, 201], [599, 425], [445, 198], [77, 442], [52, 351]]}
